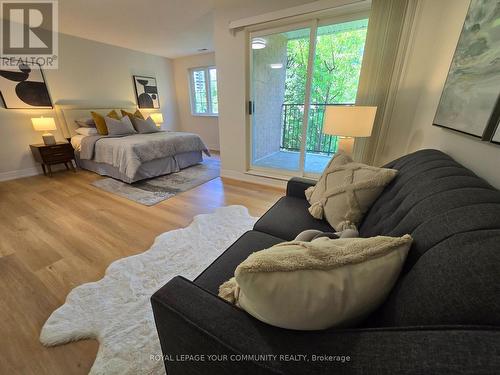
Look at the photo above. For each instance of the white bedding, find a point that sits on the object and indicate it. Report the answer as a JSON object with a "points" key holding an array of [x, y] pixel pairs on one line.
{"points": [[76, 142], [128, 153]]}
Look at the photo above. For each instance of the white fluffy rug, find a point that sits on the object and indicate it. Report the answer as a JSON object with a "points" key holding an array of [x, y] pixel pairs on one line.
{"points": [[116, 310]]}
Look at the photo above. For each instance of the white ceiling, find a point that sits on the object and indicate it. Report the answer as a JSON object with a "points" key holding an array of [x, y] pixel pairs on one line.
{"points": [[170, 28]]}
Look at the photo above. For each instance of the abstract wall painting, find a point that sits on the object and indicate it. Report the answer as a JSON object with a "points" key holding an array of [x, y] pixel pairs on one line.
{"points": [[470, 95], [24, 87], [494, 129], [496, 136], [146, 92]]}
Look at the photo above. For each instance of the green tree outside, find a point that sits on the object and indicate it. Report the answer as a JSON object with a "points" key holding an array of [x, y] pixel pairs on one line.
{"points": [[337, 65]]}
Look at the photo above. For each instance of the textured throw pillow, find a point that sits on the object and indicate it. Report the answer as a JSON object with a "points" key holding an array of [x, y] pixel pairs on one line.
{"points": [[318, 284], [100, 123], [119, 127], [145, 126], [137, 114], [314, 193], [346, 190], [85, 122], [86, 131]]}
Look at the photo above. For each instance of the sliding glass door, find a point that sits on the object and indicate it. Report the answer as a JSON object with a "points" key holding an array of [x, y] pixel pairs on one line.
{"points": [[273, 145], [295, 73]]}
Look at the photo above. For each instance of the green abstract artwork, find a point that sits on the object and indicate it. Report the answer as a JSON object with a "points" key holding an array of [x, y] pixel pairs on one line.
{"points": [[472, 87]]}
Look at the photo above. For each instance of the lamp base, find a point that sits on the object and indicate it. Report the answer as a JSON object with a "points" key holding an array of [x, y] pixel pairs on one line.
{"points": [[49, 139], [346, 144]]}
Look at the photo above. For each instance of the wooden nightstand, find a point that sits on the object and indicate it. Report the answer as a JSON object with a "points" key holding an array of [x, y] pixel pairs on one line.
{"points": [[61, 152]]}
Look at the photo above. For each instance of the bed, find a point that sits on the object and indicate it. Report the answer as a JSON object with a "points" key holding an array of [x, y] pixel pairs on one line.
{"points": [[133, 157]]}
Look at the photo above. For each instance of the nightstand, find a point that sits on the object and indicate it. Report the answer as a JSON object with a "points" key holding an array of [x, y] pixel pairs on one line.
{"points": [[60, 153]]}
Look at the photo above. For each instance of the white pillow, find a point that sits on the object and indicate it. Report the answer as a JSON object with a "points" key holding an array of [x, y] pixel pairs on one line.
{"points": [[346, 190], [86, 131], [85, 122], [145, 126], [319, 284], [119, 127]]}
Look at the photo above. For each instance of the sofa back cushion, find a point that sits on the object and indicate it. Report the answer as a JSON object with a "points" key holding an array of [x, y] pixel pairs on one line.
{"points": [[452, 270]]}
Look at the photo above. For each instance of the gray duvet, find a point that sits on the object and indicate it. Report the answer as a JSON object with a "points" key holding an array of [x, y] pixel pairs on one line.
{"points": [[127, 153]]}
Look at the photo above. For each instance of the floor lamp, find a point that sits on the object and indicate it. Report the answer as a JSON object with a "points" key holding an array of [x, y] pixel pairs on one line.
{"points": [[348, 122]]}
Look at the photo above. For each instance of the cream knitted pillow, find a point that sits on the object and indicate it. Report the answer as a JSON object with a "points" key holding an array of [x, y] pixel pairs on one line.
{"points": [[318, 284], [315, 193], [346, 190]]}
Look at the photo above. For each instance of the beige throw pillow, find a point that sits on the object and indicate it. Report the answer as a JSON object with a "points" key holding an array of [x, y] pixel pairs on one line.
{"points": [[319, 284], [346, 190]]}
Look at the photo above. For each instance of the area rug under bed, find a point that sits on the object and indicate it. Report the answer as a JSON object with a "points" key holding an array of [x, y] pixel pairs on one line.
{"points": [[154, 190], [116, 310]]}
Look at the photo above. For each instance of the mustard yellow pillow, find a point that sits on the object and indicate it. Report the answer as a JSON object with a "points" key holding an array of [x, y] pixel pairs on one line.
{"points": [[137, 114], [100, 123]]}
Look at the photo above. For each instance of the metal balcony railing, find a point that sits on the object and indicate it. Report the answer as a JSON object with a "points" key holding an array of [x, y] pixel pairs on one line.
{"points": [[291, 130]]}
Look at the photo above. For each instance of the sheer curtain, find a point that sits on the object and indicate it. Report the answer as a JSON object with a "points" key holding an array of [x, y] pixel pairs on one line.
{"points": [[388, 36]]}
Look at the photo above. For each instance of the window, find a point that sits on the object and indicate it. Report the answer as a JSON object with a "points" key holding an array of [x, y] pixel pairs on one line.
{"points": [[203, 85]]}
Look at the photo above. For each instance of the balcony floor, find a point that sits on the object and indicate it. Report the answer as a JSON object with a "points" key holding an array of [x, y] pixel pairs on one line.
{"points": [[289, 160]]}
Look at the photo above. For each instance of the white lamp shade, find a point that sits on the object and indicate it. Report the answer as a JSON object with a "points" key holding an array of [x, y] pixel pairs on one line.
{"points": [[43, 124], [349, 121], [157, 118]]}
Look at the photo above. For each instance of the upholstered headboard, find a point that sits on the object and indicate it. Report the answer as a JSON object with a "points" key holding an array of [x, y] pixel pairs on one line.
{"points": [[68, 113]]}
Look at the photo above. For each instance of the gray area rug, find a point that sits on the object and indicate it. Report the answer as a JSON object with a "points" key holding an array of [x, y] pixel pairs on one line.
{"points": [[152, 191]]}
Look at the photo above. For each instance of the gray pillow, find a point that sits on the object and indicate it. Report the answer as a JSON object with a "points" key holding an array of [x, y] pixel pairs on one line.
{"points": [[145, 126], [119, 127], [85, 122]]}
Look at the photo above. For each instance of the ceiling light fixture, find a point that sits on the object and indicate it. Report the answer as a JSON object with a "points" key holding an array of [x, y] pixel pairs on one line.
{"points": [[276, 66], [258, 43]]}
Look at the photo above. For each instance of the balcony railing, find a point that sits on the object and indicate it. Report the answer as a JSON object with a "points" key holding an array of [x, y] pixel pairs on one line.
{"points": [[291, 131]]}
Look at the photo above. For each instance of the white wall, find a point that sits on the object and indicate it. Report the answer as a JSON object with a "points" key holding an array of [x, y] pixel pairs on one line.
{"points": [[269, 89], [437, 30], [88, 71], [206, 126], [231, 60]]}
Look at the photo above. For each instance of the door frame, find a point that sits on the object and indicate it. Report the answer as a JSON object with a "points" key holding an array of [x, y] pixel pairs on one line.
{"points": [[313, 24]]}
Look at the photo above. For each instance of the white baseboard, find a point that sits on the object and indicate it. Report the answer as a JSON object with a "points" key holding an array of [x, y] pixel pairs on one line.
{"points": [[268, 181], [20, 173]]}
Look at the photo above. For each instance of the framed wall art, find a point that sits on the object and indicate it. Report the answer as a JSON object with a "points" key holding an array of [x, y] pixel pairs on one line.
{"points": [[24, 87], [146, 92], [470, 94]]}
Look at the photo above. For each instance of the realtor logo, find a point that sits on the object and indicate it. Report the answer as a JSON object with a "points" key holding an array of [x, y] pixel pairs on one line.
{"points": [[29, 33]]}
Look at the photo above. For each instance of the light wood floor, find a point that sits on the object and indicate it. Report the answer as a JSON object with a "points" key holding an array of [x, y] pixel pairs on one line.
{"points": [[57, 233]]}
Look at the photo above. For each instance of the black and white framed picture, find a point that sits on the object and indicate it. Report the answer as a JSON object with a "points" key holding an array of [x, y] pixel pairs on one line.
{"points": [[146, 92], [472, 87], [24, 87]]}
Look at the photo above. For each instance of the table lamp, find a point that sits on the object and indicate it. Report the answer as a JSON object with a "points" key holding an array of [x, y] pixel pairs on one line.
{"points": [[45, 124], [157, 118], [348, 122]]}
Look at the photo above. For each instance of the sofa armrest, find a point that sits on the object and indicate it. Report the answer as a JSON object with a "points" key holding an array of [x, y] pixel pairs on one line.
{"points": [[192, 321], [296, 187]]}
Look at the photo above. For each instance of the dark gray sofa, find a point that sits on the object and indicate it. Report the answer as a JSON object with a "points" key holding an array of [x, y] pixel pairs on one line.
{"points": [[442, 317]]}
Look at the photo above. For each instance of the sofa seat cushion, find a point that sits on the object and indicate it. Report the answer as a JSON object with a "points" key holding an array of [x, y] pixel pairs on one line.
{"points": [[288, 217], [224, 266]]}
